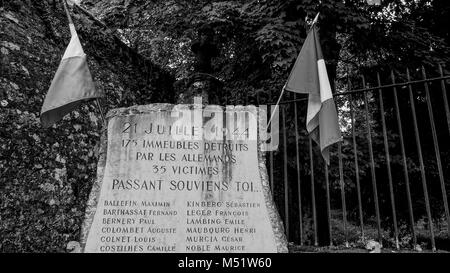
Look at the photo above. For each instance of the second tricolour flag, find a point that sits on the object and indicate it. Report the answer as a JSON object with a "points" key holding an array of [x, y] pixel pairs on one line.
{"points": [[309, 76], [71, 84]]}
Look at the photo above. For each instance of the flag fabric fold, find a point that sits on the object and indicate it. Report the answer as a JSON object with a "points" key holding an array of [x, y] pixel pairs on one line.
{"points": [[71, 85], [309, 76]]}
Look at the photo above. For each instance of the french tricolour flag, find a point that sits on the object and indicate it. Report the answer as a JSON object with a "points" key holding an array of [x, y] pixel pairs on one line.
{"points": [[71, 84], [309, 76]]}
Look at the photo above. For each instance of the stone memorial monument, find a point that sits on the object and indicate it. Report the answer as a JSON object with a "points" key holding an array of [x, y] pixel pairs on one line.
{"points": [[187, 178], [182, 178]]}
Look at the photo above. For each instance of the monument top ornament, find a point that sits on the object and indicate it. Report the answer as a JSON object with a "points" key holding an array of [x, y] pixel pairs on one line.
{"points": [[201, 82]]}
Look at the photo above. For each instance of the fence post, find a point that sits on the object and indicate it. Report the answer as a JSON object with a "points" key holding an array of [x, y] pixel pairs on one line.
{"points": [[298, 171], [405, 165], [342, 186], [388, 162], [285, 164], [436, 150], [372, 163], [327, 185], [313, 194], [355, 156], [422, 166], [444, 97]]}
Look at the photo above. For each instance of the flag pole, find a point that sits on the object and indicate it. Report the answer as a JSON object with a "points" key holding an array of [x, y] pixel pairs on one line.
{"points": [[66, 9], [275, 109], [315, 19], [100, 110], [69, 18], [282, 91]]}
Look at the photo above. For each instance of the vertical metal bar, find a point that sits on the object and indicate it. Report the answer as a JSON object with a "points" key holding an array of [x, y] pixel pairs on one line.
{"points": [[327, 185], [355, 156], [342, 185], [271, 157], [271, 172], [436, 149], [271, 154], [372, 163], [286, 180], [405, 165], [444, 96], [297, 139], [388, 162], [313, 193], [422, 166]]}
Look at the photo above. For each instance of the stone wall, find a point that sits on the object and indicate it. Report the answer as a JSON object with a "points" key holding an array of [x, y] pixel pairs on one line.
{"points": [[46, 174]]}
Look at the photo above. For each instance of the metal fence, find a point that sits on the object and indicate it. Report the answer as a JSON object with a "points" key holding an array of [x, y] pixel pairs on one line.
{"points": [[387, 180]]}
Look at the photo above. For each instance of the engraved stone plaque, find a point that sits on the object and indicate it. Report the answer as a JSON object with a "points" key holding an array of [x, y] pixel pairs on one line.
{"points": [[188, 180]]}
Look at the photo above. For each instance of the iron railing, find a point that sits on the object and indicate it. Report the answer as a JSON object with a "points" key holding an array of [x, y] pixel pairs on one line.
{"points": [[373, 184]]}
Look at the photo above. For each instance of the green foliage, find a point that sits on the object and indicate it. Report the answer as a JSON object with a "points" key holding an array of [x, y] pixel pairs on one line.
{"points": [[259, 40]]}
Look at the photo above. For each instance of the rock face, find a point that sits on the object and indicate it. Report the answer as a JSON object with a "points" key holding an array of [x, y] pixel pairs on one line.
{"points": [[167, 183], [46, 175]]}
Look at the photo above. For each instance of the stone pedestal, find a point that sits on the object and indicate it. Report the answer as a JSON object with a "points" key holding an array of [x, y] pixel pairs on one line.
{"points": [[160, 191]]}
